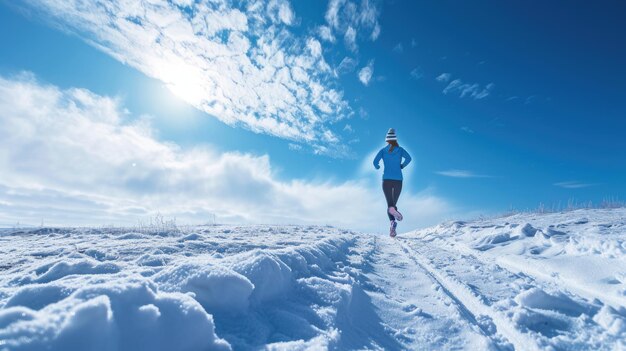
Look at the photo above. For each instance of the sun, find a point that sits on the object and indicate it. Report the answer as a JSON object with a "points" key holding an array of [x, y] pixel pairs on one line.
{"points": [[183, 80]]}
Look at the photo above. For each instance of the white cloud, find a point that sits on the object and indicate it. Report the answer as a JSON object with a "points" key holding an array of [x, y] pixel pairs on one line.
{"points": [[295, 147], [239, 62], [350, 20], [467, 130], [473, 90], [444, 77], [398, 48], [459, 173], [365, 74], [416, 73], [346, 65], [332, 13], [454, 85], [375, 33], [350, 38], [282, 10], [574, 184], [71, 157], [326, 34], [480, 93], [363, 113]]}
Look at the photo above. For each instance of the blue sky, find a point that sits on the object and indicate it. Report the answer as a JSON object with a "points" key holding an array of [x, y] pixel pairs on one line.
{"points": [[500, 104]]}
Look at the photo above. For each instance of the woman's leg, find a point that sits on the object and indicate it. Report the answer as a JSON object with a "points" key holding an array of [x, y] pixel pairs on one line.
{"points": [[389, 195], [397, 189]]}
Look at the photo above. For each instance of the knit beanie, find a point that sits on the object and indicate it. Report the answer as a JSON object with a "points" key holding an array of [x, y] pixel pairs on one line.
{"points": [[391, 135]]}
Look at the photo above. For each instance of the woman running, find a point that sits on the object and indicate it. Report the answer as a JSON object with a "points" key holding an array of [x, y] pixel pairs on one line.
{"points": [[392, 156]]}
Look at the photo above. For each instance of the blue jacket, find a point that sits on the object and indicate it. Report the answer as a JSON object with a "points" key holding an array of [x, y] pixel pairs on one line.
{"points": [[392, 161]]}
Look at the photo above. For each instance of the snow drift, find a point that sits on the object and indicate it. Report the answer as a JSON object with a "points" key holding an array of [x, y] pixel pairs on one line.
{"points": [[526, 282]]}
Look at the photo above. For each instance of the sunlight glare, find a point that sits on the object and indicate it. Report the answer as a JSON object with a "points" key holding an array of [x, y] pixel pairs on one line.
{"points": [[183, 81]]}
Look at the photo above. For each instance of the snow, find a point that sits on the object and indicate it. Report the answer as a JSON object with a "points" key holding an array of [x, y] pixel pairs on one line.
{"points": [[558, 278], [523, 282], [214, 287], [111, 314]]}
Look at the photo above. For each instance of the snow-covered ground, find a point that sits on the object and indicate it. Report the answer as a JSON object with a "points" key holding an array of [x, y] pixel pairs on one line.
{"points": [[524, 282]]}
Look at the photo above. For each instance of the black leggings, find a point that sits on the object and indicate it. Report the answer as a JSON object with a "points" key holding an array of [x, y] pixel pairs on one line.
{"points": [[392, 189]]}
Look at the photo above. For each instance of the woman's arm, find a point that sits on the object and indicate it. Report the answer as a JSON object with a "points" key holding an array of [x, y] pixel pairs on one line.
{"points": [[377, 159], [407, 158]]}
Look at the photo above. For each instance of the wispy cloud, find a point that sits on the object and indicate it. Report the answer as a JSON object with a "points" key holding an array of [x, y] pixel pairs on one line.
{"points": [[573, 184], [240, 62], [350, 39], [325, 33], [416, 73], [467, 130], [351, 21], [473, 90], [444, 77], [346, 65], [363, 113], [73, 157], [530, 99], [459, 173], [365, 74], [526, 100], [295, 147], [399, 48]]}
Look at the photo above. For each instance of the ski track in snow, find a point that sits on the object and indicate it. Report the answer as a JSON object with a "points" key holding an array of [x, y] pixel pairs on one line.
{"points": [[467, 304], [519, 275], [474, 305], [413, 306], [527, 282]]}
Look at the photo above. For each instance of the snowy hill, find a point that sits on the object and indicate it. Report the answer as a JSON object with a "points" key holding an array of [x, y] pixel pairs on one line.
{"points": [[525, 282]]}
